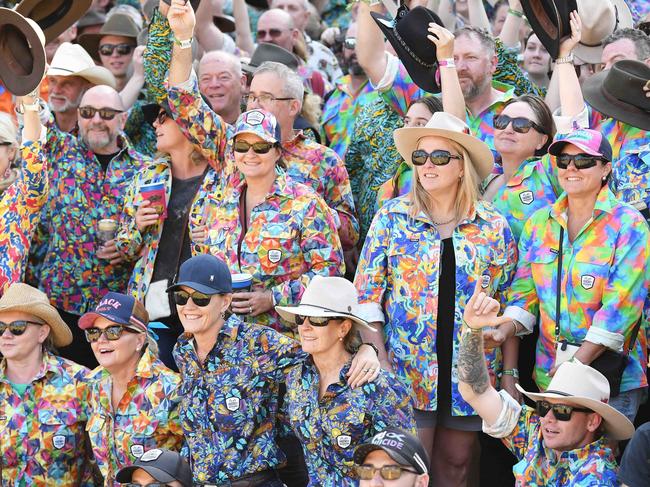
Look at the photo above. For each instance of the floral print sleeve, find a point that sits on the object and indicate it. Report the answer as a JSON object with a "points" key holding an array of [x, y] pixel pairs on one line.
{"points": [[157, 57]]}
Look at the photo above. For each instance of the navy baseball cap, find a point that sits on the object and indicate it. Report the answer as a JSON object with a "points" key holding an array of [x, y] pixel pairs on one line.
{"points": [[589, 141], [398, 444], [163, 465], [118, 308], [204, 273]]}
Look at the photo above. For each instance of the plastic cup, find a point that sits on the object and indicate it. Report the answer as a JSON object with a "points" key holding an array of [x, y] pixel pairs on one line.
{"points": [[241, 283], [157, 195], [106, 230]]}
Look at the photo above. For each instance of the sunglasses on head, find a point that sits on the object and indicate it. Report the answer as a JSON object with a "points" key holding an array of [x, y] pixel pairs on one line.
{"points": [[580, 161], [387, 472], [272, 33], [112, 333], [562, 412], [350, 42], [122, 49], [519, 124], [316, 320], [104, 113], [18, 327], [243, 147], [201, 300], [438, 157]]}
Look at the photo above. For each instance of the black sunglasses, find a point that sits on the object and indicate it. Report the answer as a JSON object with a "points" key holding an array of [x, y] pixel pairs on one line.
{"points": [[112, 333], [243, 147], [122, 49], [562, 412], [155, 484], [201, 300], [519, 124], [580, 161], [18, 327], [350, 42], [162, 117], [438, 157], [316, 320], [387, 472], [104, 113]]}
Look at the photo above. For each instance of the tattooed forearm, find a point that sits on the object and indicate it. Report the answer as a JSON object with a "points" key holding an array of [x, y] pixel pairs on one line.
{"points": [[471, 362]]}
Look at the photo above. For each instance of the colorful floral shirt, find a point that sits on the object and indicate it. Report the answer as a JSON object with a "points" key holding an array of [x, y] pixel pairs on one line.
{"points": [[291, 238], [323, 60], [622, 137], [330, 427], [398, 280], [146, 417], [340, 112], [309, 163], [605, 278], [143, 246], [520, 430], [42, 433], [20, 207], [229, 403], [82, 193], [630, 180]]}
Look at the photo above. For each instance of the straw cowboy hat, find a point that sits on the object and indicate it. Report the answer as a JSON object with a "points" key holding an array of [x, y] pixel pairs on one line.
{"points": [[327, 297], [54, 16], [600, 18], [25, 298], [118, 24], [73, 60], [581, 385], [549, 19], [448, 126], [22, 53]]}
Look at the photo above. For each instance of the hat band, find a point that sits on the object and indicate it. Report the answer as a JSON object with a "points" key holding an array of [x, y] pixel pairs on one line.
{"points": [[613, 30], [55, 16], [326, 309], [411, 53]]}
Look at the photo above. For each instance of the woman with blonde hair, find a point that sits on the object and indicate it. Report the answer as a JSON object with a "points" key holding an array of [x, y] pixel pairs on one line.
{"points": [[8, 150], [423, 255]]}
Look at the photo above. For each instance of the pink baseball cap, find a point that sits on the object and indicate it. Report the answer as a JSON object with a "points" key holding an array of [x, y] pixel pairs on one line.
{"points": [[589, 141]]}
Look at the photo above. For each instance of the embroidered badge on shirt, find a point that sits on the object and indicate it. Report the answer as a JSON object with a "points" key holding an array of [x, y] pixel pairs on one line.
{"points": [[485, 281], [58, 441], [587, 281], [232, 403], [343, 441], [526, 197], [275, 255]]}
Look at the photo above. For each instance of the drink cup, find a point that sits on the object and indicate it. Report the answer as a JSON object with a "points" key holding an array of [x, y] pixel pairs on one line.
{"points": [[106, 230], [241, 283], [157, 195]]}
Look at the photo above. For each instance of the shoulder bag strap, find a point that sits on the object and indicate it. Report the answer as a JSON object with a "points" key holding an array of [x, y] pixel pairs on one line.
{"points": [[558, 292]]}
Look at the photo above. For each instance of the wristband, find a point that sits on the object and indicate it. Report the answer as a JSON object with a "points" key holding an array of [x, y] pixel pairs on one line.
{"points": [[183, 44], [21, 108], [513, 372], [447, 63], [516, 13], [565, 60]]}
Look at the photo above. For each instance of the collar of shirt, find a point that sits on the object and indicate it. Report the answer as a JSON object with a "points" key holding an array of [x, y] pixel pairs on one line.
{"points": [[335, 388], [50, 365], [605, 203], [279, 189], [296, 140], [596, 449], [343, 85], [144, 368], [477, 210], [524, 171], [506, 92], [229, 332]]}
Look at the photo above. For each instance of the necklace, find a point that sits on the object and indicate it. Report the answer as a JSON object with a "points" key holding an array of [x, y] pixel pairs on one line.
{"points": [[438, 224]]}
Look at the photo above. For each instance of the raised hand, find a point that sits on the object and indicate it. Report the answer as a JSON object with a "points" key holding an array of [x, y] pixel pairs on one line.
{"points": [[181, 19], [568, 44], [482, 311], [443, 40]]}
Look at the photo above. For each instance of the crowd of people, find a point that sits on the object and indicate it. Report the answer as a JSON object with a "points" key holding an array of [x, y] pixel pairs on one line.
{"points": [[294, 243]]}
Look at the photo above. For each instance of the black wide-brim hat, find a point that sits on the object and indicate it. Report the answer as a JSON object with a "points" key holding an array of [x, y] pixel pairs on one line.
{"points": [[22, 53], [53, 16], [618, 93], [549, 20], [408, 33]]}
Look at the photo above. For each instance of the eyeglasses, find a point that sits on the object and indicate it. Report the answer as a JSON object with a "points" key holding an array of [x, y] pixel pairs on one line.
{"points": [[350, 42], [17, 328], [104, 113], [122, 49], [438, 157], [387, 472], [580, 161], [519, 124], [242, 147], [272, 33], [6, 143], [562, 412], [316, 320], [112, 333], [264, 98], [155, 484], [162, 117], [200, 299]]}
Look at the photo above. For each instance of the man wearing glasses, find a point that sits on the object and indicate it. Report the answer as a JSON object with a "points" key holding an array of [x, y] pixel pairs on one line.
{"points": [[563, 440]]}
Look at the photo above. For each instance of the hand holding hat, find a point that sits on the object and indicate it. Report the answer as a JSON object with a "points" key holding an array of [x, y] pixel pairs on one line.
{"points": [[568, 44]]}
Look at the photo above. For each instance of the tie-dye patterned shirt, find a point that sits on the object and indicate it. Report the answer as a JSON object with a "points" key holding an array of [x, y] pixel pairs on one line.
{"points": [[330, 427], [291, 238], [146, 417], [605, 278], [42, 433], [630, 180], [623, 138], [20, 206], [398, 280]]}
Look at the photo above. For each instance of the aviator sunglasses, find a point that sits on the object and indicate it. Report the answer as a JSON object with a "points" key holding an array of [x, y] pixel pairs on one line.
{"points": [[18, 327], [580, 161], [104, 113], [387, 472], [438, 157], [562, 412], [112, 333], [519, 124]]}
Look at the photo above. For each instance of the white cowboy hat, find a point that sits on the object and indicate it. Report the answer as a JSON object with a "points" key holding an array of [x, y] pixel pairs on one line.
{"points": [[581, 385], [448, 126], [73, 60], [25, 298], [600, 18], [327, 297]]}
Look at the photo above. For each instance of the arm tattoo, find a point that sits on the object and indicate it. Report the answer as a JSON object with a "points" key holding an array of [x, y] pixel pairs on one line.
{"points": [[471, 362]]}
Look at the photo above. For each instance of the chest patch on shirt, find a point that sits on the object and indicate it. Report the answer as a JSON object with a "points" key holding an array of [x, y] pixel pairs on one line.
{"points": [[275, 255], [137, 450], [485, 281], [58, 441], [526, 197], [232, 403], [587, 281], [343, 441]]}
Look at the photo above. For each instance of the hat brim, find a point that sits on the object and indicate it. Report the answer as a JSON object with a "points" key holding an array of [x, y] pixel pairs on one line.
{"points": [[225, 23], [406, 141], [126, 474], [362, 451], [266, 138], [97, 75], [617, 426], [288, 313], [196, 286], [596, 96], [59, 330], [547, 30], [555, 149], [54, 18], [88, 320], [150, 112]]}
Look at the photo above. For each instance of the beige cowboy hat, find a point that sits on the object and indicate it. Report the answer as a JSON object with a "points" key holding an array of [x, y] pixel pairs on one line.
{"points": [[600, 18], [581, 385], [73, 60], [448, 126], [54, 16], [118, 24], [25, 298], [327, 297]]}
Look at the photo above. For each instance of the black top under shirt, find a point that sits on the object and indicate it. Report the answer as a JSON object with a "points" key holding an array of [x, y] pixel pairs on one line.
{"points": [[445, 322], [105, 159]]}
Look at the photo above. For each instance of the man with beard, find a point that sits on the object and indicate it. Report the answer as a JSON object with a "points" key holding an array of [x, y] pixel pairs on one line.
{"points": [[89, 176], [351, 92]]}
